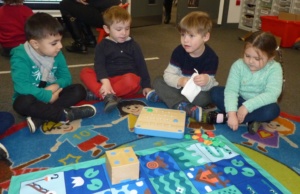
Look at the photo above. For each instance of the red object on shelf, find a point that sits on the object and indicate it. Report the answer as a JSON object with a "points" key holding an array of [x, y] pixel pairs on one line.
{"points": [[102, 34], [238, 2], [289, 31]]}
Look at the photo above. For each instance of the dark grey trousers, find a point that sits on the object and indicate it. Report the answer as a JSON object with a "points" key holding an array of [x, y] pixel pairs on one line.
{"points": [[172, 96]]}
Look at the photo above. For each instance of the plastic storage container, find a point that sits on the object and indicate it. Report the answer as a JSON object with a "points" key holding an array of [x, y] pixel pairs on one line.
{"points": [[252, 2], [266, 3], [248, 21], [296, 8], [265, 11], [289, 31], [285, 2], [250, 10]]}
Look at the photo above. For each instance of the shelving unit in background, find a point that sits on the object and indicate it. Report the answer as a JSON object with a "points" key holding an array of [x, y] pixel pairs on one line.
{"points": [[251, 11], [295, 8]]}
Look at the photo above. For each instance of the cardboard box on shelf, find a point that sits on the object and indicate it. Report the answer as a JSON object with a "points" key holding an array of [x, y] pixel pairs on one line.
{"points": [[288, 16]]}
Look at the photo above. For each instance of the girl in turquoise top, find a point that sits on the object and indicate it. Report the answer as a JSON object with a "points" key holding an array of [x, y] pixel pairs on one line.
{"points": [[253, 86]]}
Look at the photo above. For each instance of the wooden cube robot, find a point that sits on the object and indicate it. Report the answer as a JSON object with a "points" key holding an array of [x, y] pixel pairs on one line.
{"points": [[122, 165]]}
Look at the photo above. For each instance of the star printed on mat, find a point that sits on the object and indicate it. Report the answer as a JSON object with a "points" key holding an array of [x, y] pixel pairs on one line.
{"points": [[70, 159]]}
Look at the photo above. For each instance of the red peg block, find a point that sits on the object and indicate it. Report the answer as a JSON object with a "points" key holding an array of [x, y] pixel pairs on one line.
{"points": [[210, 134]]}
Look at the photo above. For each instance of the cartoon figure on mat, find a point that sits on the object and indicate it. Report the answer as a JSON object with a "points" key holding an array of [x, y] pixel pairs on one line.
{"points": [[82, 137], [268, 134], [7, 171], [130, 109]]}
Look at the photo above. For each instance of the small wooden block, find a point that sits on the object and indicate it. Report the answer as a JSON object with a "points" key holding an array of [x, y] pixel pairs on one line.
{"points": [[122, 165]]}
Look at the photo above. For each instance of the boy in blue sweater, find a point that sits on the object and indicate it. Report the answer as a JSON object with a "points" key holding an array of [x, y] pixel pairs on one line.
{"points": [[193, 54]]}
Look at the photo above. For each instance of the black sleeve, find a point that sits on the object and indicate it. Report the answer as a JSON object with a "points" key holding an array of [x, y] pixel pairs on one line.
{"points": [[99, 60], [103, 4]]}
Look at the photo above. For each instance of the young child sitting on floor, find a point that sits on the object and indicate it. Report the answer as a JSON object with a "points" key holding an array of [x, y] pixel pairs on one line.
{"points": [[193, 54], [43, 89], [120, 69], [253, 86]]}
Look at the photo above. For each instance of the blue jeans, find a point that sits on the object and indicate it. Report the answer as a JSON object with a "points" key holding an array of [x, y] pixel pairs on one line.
{"points": [[263, 114], [6, 121]]}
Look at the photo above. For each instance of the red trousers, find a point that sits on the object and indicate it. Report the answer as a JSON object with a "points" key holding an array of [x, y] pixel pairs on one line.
{"points": [[124, 85]]}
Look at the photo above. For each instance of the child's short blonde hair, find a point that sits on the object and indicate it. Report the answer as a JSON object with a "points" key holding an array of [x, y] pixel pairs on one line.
{"points": [[196, 20], [116, 14]]}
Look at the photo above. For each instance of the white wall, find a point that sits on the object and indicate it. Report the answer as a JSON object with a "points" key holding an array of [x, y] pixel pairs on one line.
{"points": [[234, 12]]}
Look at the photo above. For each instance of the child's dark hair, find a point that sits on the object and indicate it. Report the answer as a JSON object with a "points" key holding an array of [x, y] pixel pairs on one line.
{"points": [[266, 42], [263, 41], [9, 2], [196, 20], [40, 25]]}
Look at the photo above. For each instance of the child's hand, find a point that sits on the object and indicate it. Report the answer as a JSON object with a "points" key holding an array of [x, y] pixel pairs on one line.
{"points": [[55, 95], [241, 114], [146, 90], [52, 87], [233, 122], [182, 81], [106, 88], [201, 79]]}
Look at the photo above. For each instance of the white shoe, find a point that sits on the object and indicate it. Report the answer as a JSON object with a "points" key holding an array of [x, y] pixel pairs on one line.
{"points": [[34, 124]]}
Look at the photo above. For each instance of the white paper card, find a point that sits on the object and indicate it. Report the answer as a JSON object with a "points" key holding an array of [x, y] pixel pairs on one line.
{"points": [[191, 90]]}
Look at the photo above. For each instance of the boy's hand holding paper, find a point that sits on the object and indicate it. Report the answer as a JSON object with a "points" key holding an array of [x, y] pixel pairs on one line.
{"points": [[191, 90]]}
